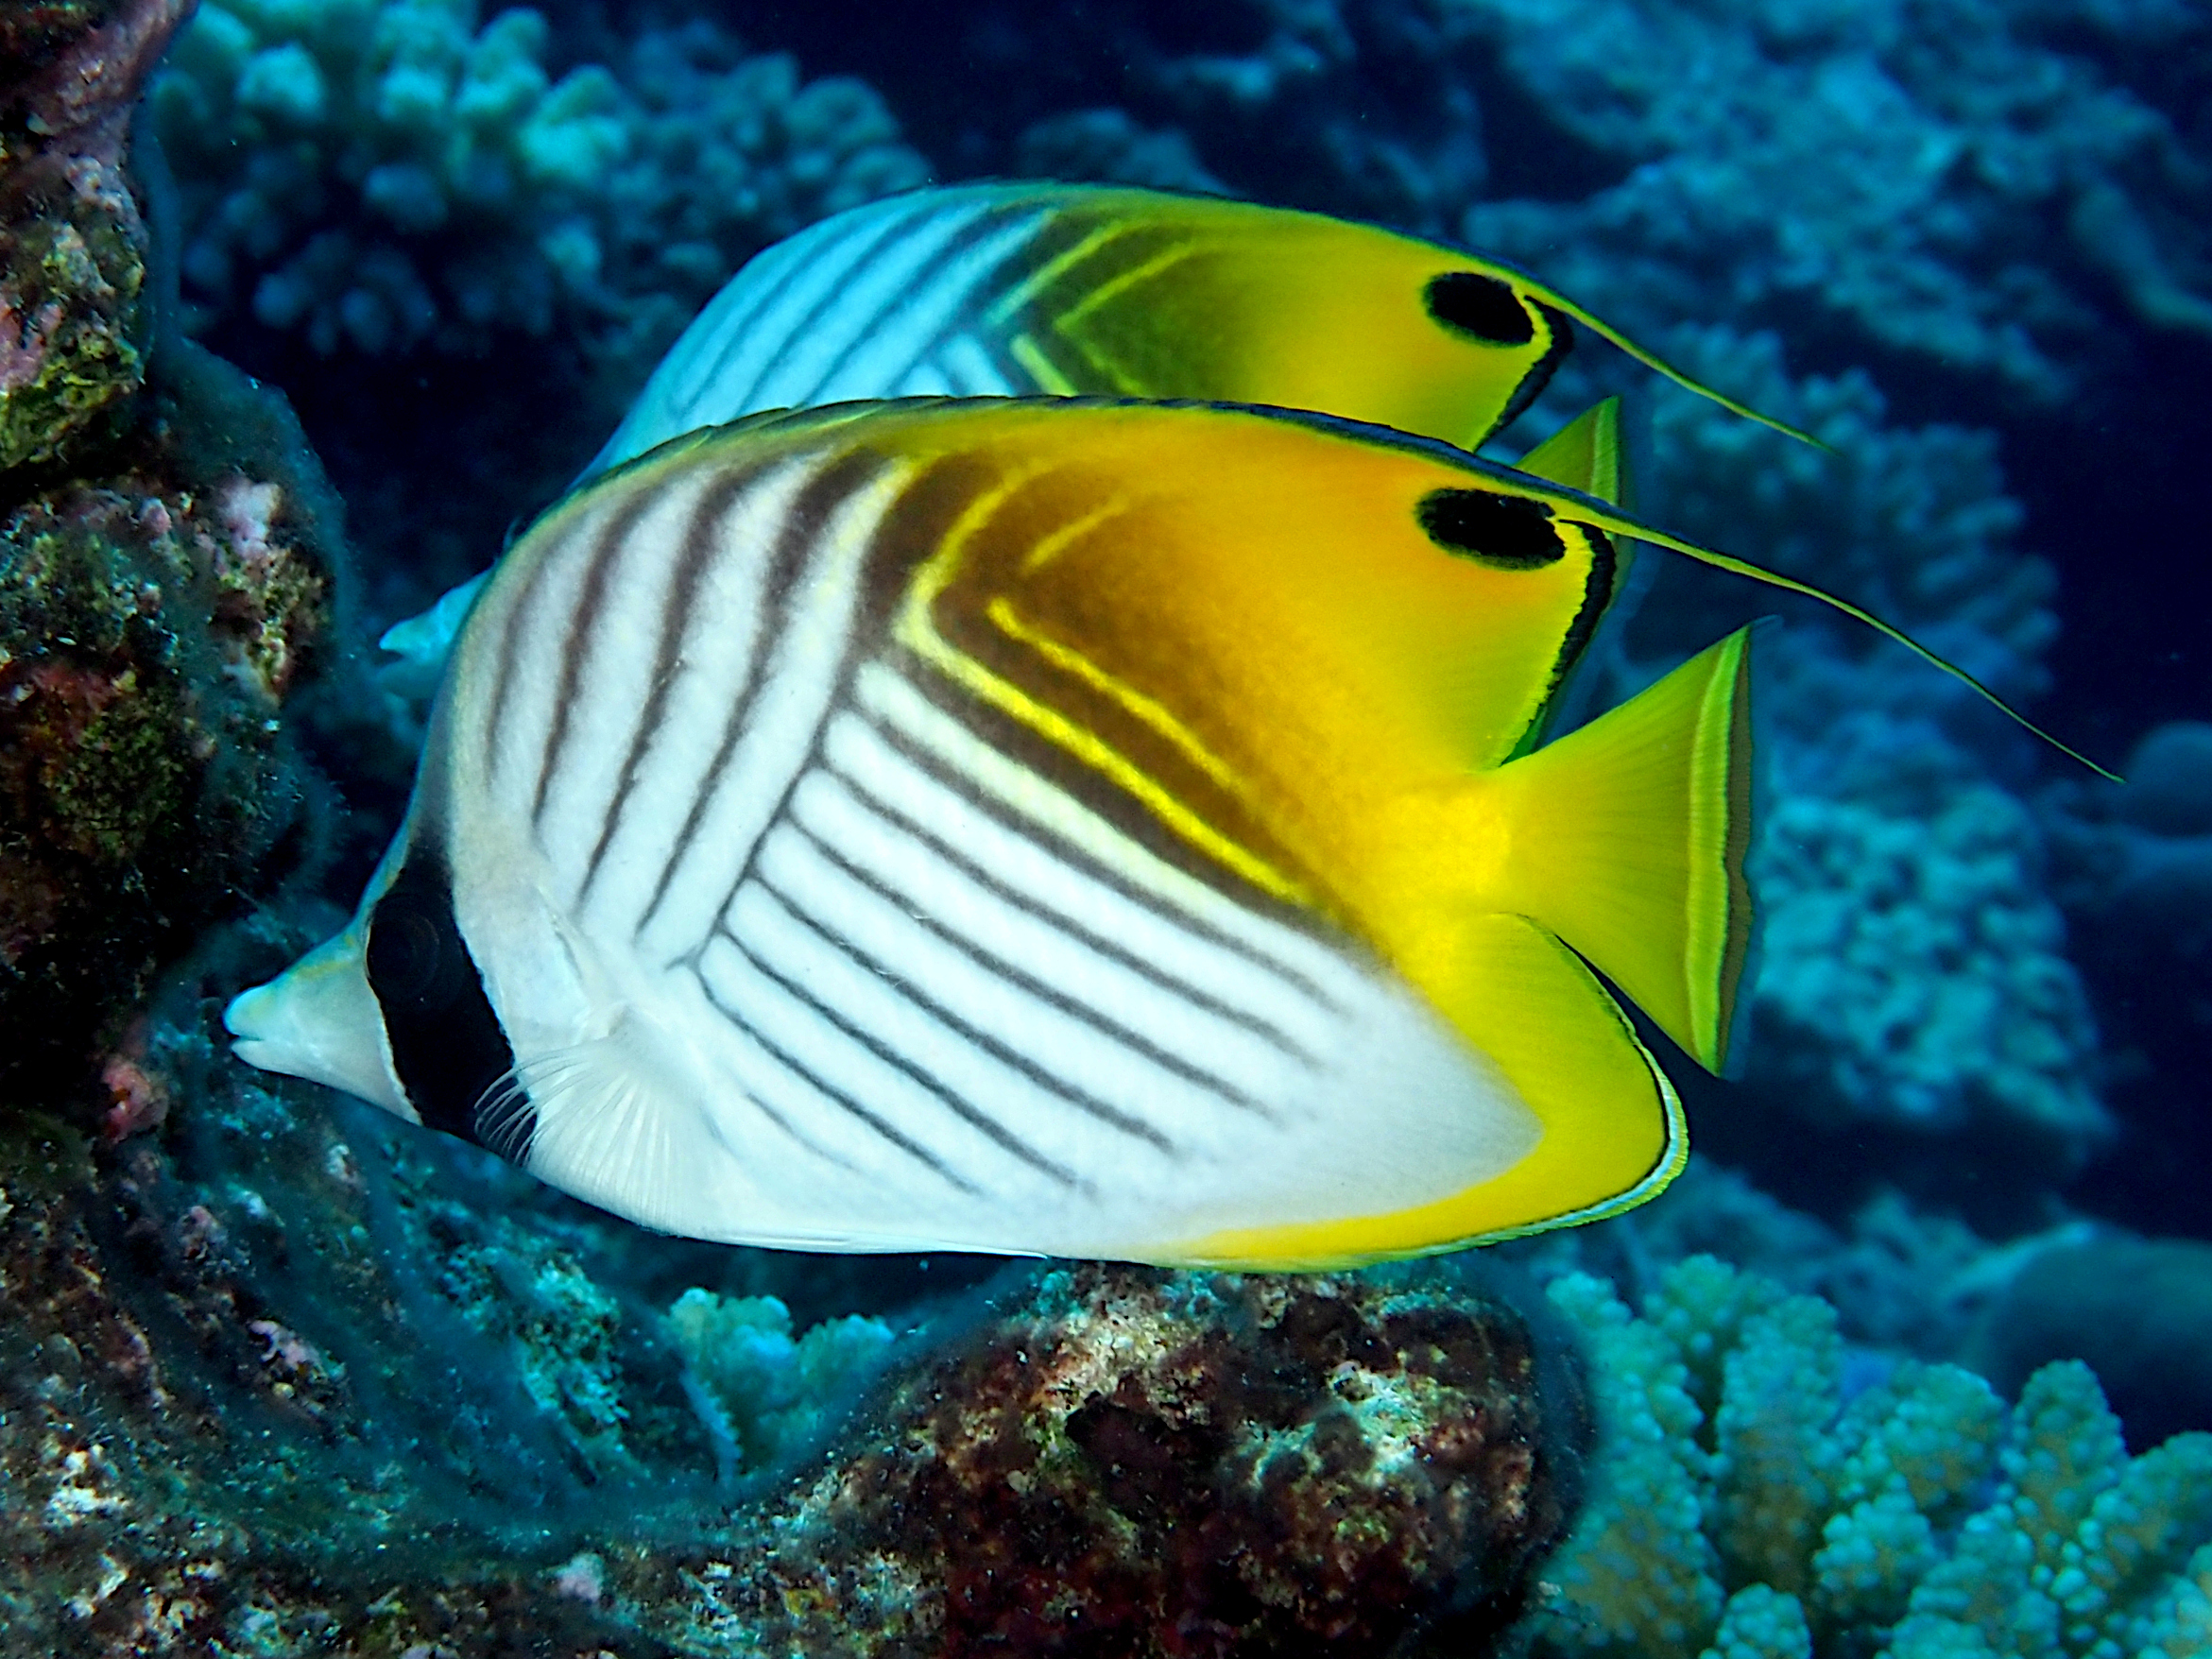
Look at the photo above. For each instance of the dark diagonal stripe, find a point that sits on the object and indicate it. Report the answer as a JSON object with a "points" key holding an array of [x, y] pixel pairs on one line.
{"points": [[1182, 990], [966, 713], [810, 324], [773, 295], [911, 528], [960, 1106], [986, 224], [580, 635], [798, 1068], [1112, 1116], [510, 639], [797, 541], [1014, 974], [702, 537]]}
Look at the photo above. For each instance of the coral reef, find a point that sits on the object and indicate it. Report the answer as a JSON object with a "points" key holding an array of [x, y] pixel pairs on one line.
{"points": [[1761, 1489], [278, 1380], [2138, 1312], [1948, 180], [74, 331], [1903, 1277], [461, 263], [764, 1394], [1915, 975], [2131, 866], [167, 556], [1124, 1462], [387, 175]]}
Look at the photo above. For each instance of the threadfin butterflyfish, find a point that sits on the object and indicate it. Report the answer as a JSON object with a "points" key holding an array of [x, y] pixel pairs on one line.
{"points": [[1020, 289], [1024, 290], [1054, 827]]}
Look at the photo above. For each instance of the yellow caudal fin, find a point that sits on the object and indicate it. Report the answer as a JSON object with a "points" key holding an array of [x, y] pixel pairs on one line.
{"points": [[1627, 839], [1584, 455]]}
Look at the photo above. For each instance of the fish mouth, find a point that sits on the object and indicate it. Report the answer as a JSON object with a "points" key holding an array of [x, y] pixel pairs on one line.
{"points": [[319, 1020], [249, 1019]]}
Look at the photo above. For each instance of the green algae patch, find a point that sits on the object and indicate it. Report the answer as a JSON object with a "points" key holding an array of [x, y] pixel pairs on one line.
{"points": [[70, 322]]}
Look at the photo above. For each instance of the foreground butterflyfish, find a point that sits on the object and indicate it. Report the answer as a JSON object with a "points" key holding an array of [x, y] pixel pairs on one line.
{"points": [[1053, 827], [1026, 289]]}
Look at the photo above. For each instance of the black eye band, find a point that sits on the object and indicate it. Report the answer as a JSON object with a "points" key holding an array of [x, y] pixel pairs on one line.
{"points": [[446, 1042]]}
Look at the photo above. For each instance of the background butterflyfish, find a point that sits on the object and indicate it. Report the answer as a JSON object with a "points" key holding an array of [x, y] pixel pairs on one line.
{"points": [[1028, 289]]}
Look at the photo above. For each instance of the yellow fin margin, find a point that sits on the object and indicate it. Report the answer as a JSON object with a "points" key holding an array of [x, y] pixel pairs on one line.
{"points": [[1625, 841], [1613, 1130]]}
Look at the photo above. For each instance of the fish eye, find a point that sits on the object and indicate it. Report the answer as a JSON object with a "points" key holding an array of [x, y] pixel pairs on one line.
{"points": [[1469, 302], [1505, 532], [409, 961]]}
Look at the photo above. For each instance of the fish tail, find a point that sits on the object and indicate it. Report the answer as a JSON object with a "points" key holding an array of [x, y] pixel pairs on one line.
{"points": [[1626, 838]]}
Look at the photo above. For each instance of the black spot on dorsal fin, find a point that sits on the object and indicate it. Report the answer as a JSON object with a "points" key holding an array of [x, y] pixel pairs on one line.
{"points": [[1505, 532], [1479, 305]]}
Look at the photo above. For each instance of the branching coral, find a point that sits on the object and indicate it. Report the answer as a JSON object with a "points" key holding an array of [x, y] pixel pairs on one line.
{"points": [[1757, 1492], [1914, 974], [387, 174], [1943, 176]]}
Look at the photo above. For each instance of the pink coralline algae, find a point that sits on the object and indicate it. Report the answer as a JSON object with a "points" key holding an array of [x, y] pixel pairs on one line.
{"points": [[146, 651]]}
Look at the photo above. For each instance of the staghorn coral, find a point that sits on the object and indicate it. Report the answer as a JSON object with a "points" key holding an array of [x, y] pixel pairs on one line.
{"points": [[1751, 1494]]}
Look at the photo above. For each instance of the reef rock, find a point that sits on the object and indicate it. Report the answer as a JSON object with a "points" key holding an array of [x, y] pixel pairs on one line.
{"points": [[1125, 1461], [73, 244], [166, 550], [265, 1390]]}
